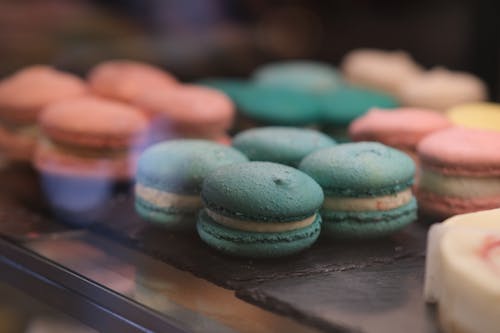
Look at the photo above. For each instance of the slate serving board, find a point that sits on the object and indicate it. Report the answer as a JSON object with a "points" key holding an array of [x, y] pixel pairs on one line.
{"points": [[369, 286]]}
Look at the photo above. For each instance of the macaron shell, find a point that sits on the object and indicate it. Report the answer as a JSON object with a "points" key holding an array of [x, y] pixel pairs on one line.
{"points": [[310, 76], [179, 166], [476, 115], [190, 107], [342, 106], [26, 92], [94, 122], [253, 244], [403, 127], [353, 225], [278, 106], [169, 218], [461, 151], [262, 191], [124, 80], [361, 169], [441, 89], [285, 145]]}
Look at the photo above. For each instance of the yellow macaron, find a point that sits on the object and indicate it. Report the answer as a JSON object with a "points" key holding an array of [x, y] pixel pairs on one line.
{"points": [[476, 115]]}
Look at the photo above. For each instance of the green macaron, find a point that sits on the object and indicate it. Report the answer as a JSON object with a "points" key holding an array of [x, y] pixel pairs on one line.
{"points": [[169, 177], [278, 106], [299, 75], [230, 86], [260, 209], [341, 106], [367, 189], [285, 145]]}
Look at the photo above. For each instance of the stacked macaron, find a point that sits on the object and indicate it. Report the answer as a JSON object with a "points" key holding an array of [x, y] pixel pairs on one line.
{"points": [[88, 145], [401, 128], [367, 189], [460, 171], [462, 272], [260, 209], [23, 95], [380, 70], [125, 80], [169, 178], [188, 111]]}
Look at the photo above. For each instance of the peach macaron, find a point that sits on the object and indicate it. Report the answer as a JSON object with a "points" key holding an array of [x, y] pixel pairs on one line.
{"points": [[124, 80], [441, 89], [188, 111], [23, 95], [88, 147], [401, 128]]}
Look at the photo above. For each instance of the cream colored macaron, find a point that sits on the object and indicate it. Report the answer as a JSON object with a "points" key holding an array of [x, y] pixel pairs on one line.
{"points": [[378, 69], [476, 115], [441, 89]]}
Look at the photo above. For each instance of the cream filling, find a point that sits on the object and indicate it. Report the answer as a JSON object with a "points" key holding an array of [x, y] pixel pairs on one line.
{"points": [[259, 226], [460, 186], [386, 202], [164, 199], [86, 152]]}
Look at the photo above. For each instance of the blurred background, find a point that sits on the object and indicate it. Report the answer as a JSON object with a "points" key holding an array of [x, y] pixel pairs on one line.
{"points": [[197, 38]]}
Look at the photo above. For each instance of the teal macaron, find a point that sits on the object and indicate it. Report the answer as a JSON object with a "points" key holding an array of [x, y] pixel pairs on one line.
{"points": [[169, 177], [340, 107], [285, 145], [278, 106], [367, 189], [299, 75], [259, 210], [230, 86]]}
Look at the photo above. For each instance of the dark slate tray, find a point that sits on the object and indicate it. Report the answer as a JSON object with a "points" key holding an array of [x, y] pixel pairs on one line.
{"points": [[377, 299], [335, 286]]}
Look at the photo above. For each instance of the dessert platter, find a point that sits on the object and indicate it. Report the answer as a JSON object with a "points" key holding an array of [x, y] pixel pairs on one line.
{"points": [[311, 197]]}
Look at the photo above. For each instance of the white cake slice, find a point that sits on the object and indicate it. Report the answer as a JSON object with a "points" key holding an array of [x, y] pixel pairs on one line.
{"points": [[463, 272]]}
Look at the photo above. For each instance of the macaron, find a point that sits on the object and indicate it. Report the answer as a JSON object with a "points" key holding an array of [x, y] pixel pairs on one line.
{"points": [[285, 145], [441, 89], [340, 107], [124, 80], [476, 115], [88, 146], [277, 106], [260, 210], [169, 178], [300, 75], [379, 69], [367, 188], [401, 128], [190, 111], [460, 171], [23, 95], [229, 86]]}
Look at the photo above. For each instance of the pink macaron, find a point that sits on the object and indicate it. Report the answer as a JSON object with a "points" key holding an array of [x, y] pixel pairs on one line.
{"points": [[401, 128], [124, 80], [188, 111], [460, 171], [23, 95]]}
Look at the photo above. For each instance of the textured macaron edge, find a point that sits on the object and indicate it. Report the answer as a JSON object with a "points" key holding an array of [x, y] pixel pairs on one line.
{"points": [[255, 244], [369, 224], [168, 217]]}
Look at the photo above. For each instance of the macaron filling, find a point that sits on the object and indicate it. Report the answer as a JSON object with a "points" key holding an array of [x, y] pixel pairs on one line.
{"points": [[163, 199], [89, 152], [259, 226], [459, 186], [379, 203]]}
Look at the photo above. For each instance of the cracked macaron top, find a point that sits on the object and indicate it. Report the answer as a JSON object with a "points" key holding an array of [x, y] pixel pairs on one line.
{"points": [[262, 192], [179, 166], [363, 169]]}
